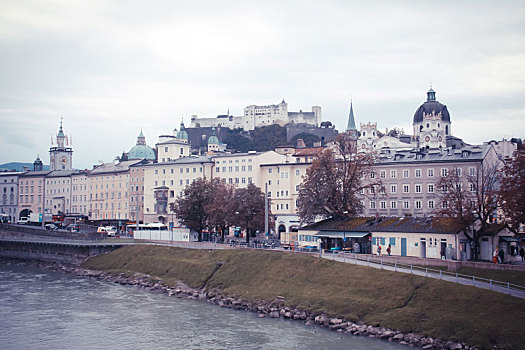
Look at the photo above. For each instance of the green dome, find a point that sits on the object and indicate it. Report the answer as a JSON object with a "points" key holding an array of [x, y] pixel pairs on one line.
{"points": [[182, 134], [141, 152], [213, 140]]}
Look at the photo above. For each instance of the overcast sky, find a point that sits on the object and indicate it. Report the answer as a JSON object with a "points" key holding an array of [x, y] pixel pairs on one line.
{"points": [[110, 68]]}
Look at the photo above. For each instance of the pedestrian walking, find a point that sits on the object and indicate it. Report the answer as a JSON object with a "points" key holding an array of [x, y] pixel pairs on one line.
{"points": [[378, 249], [522, 254], [389, 250], [501, 255]]}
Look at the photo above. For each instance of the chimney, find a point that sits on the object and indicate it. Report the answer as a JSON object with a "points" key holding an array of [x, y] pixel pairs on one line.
{"points": [[300, 143]]}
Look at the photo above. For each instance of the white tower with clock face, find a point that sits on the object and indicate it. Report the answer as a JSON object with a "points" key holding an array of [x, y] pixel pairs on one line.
{"points": [[61, 156]]}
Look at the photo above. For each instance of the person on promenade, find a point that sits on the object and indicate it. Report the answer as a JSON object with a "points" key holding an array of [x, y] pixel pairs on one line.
{"points": [[389, 250], [501, 255], [378, 249]]}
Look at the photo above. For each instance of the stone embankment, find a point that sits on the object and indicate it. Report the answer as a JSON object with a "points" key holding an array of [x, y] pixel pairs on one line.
{"points": [[272, 309]]}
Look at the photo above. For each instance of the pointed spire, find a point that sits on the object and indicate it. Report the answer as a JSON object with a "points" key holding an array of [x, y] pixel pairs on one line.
{"points": [[228, 113], [141, 139], [351, 120]]}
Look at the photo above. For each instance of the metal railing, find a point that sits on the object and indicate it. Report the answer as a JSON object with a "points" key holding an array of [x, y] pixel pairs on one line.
{"points": [[476, 281]]}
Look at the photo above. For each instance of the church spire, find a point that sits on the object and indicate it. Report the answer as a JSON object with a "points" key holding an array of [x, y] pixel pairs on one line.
{"points": [[351, 120]]}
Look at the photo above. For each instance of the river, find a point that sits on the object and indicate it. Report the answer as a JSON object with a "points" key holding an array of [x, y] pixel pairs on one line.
{"points": [[41, 309]]}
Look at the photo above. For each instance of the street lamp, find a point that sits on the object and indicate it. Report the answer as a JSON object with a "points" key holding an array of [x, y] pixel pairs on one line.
{"points": [[344, 236]]}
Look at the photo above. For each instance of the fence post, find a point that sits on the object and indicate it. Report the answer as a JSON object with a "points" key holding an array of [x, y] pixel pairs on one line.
{"points": [[344, 256], [457, 278], [411, 269], [426, 271], [395, 265], [355, 259], [490, 282], [440, 274], [508, 287], [474, 280], [368, 260], [381, 263]]}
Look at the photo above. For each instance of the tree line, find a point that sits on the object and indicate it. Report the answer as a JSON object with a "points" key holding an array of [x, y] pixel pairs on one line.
{"points": [[214, 205]]}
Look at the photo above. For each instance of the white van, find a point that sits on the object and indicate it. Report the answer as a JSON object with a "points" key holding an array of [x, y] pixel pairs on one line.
{"points": [[110, 231]]}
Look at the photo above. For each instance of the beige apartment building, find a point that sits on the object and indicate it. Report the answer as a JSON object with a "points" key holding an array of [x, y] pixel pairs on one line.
{"points": [[80, 193], [58, 192], [136, 193], [165, 181], [108, 186], [31, 187]]}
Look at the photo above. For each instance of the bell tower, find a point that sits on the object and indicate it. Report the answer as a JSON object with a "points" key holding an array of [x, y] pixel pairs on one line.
{"points": [[61, 156]]}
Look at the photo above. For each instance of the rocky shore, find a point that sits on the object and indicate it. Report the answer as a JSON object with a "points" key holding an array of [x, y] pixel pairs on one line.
{"points": [[272, 309]]}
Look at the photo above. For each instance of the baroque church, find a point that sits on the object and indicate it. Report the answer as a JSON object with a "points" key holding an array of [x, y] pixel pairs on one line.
{"points": [[431, 130]]}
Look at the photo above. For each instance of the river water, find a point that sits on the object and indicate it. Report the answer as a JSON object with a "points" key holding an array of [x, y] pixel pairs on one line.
{"points": [[41, 309]]}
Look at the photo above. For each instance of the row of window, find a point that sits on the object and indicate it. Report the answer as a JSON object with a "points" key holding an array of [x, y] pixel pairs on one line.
{"points": [[418, 204], [418, 173], [181, 170], [231, 168]]}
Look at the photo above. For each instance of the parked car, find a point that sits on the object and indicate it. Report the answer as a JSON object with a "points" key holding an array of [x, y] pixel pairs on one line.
{"points": [[23, 221], [51, 227]]}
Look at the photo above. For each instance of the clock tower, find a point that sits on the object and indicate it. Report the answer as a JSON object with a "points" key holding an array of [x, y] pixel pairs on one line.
{"points": [[61, 156]]}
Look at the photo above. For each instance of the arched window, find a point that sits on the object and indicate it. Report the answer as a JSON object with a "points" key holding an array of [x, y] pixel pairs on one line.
{"points": [[421, 128], [428, 125]]}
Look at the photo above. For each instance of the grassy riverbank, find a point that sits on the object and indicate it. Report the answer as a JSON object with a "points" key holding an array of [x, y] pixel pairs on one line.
{"points": [[395, 300]]}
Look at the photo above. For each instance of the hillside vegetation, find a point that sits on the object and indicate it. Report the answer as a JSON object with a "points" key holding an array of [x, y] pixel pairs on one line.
{"points": [[376, 297]]}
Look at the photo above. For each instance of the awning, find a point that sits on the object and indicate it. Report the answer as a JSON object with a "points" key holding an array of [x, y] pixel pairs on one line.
{"points": [[339, 234], [508, 239]]}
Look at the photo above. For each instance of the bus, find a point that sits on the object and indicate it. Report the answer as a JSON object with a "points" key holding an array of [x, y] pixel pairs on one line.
{"points": [[4, 219]]}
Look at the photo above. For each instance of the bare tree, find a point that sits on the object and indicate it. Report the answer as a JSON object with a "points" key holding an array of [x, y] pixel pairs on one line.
{"points": [[471, 199], [334, 184], [512, 191]]}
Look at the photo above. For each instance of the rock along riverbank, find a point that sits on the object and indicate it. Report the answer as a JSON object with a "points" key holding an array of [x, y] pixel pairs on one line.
{"points": [[271, 309]]}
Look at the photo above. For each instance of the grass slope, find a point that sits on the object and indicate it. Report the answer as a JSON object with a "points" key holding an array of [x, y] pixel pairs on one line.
{"points": [[396, 300]]}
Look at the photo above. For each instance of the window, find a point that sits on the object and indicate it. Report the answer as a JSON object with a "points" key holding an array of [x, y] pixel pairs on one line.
{"points": [[430, 188], [406, 173], [236, 168], [444, 204], [269, 170], [393, 189], [393, 174], [472, 171], [418, 172], [218, 169], [393, 205], [249, 168], [444, 172], [430, 172], [406, 188], [382, 174], [297, 172], [418, 204], [372, 175], [156, 171], [406, 205], [458, 171], [372, 205], [472, 187], [418, 188], [383, 204], [431, 204]]}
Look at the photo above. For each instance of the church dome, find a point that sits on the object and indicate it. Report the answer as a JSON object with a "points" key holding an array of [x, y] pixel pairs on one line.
{"points": [[431, 106], [141, 150], [182, 134], [213, 138]]}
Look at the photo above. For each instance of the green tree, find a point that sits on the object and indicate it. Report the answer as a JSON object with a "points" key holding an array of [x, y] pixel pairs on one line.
{"points": [[247, 209], [336, 182], [190, 208], [219, 211]]}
